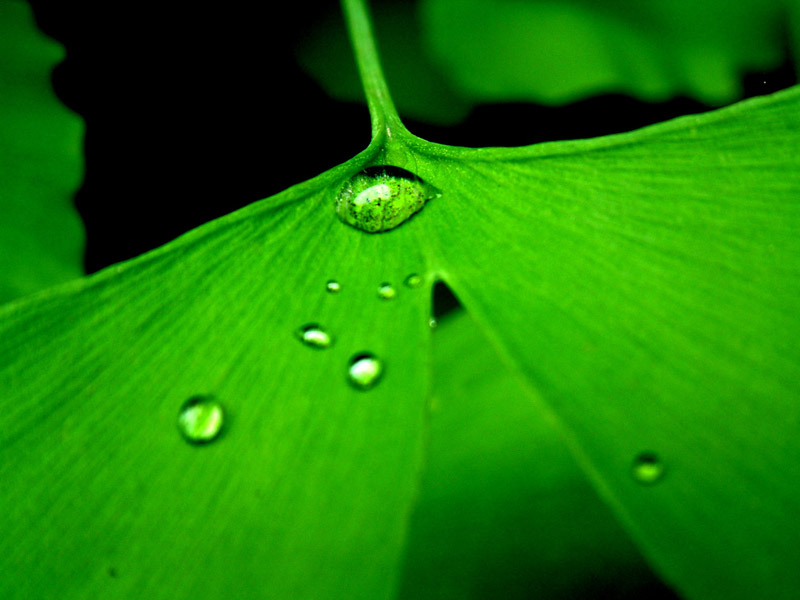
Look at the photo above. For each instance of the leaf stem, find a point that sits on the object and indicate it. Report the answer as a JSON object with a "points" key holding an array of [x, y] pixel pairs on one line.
{"points": [[381, 107]]}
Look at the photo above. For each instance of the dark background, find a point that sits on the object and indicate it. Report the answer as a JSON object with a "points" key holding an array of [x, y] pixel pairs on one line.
{"points": [[193, 113]]}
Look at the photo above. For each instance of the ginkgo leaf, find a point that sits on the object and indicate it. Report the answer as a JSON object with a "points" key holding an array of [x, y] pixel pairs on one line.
{"points": [[643, 287], [504, 510], [41, 236], [305, 494], [442, 57], [648, 289], [555, 51]]}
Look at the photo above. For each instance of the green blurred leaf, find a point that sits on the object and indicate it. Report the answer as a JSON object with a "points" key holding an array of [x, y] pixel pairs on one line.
{"points": [[505, 512], [554, 52], [41, 236], [444, 56], [420, 90]]}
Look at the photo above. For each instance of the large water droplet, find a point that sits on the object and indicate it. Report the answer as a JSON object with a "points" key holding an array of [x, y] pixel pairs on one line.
{"points": [[386, 291], [200, 419], [647, 468], [365, 370], [413, 280], [382, 197], [433, 323], [333, 286], [314, 335]]}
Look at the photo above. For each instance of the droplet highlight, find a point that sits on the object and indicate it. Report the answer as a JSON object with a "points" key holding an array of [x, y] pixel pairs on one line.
{"points": [[333, 287], [413, 281], [314, 336], [647, 468], [381, 198], [365, 371], [433, 323], [200, 419], [386, 291]]}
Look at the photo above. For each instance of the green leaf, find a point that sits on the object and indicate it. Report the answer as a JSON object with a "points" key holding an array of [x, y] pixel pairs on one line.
{"points": [[306, 493], [647, 285], [41, 236], [442, 57], [557, 52], [504, 511]]}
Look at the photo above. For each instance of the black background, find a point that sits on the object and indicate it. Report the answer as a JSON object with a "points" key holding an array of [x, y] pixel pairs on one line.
{"points": [[194, 112]]}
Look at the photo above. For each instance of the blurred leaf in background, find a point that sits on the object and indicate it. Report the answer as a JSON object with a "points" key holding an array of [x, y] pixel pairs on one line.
{"points": [[41, 164], [459, 53], [419, 87], [559, 51]]}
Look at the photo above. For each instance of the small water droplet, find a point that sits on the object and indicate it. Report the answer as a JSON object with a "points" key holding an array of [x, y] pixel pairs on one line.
{"points": [[647, 468], [433, 323], [314, 335], [365, 370], [413, 281], [386, 291], [382, 197], [200, 419], [333, 286]]}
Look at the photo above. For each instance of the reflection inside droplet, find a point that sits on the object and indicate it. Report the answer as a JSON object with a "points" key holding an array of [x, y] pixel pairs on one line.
{"points": [[365, 370], [647, 468], [413, 281], [381, 197], [200, 419], [386, 291], [314, 336]]}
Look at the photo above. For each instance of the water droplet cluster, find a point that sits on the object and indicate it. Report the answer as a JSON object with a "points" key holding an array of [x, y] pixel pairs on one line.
{"points": [[365, 369], [201, 418]]}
